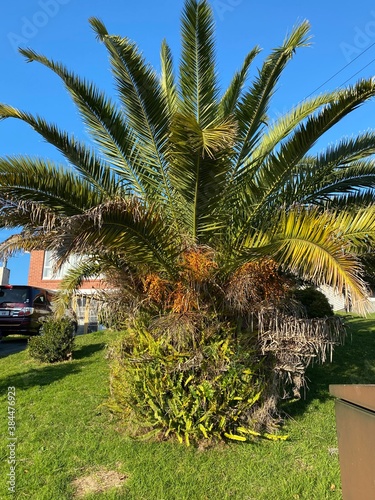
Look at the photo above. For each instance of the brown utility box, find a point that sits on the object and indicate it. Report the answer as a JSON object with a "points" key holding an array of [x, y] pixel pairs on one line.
{"points": [[355, 423]]}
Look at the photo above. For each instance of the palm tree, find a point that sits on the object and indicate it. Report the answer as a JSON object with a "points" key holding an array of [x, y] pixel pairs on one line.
{"points": [[177, 163], [185, 189]]}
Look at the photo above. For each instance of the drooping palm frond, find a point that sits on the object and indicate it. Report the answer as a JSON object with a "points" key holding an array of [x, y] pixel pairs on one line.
{"points": [[314, 246], [25, 241], [34, 179], [88, 268], [30, 215], [309, 245], [98, 173], [278, 167], [108, 128], [352, 201], [356, 177], [347, 150], [124, 226]]}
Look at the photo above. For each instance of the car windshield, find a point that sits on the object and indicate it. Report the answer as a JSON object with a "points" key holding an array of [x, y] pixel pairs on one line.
{"points": [[13, 296]]}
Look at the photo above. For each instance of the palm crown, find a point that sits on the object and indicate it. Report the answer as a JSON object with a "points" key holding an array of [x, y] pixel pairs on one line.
{"points": [[177, 165]]}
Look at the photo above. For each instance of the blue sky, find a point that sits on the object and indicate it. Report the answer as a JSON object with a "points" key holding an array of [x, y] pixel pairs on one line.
{"points": [[343, 42]]}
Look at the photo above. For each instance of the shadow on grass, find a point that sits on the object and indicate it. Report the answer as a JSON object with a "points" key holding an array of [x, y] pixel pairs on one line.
{"points": [[87, 350], [45, 375], [353, 363]]}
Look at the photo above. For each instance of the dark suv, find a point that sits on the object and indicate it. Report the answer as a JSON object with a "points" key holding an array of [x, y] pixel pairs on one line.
{"points": [[21, 308]]}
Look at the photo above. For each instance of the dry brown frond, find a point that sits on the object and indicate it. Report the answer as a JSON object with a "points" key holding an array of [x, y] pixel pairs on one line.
{"points": [[256, 284], [296, 342], [183, 299]]}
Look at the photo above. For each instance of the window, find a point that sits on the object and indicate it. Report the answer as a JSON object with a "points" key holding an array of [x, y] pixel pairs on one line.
{"points": [[48, 264]]}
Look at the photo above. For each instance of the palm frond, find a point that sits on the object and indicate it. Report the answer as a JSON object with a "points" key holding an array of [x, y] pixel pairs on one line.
{"points": [[92, 168], [357, 227], [352, 200], [168, 83], [278, 131], [252, 110], [231, 96], [139, 91], [107, 126], [359, 176], [198, 85], [310, 245], [25, 241], [199, 162], [124, 226], [73, 279], [146, 110], [24, 178], [279, 167]]}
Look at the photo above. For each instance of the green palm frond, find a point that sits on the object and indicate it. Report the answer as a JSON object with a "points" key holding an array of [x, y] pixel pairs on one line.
{"points": [[198, 85], [199, 164], [278, 131], [357, 227], [89, 268], [347, 150], [346, 167], [146, 109], [124, 226], [279, 166], [168, 83], [106, 125], [231, 96], [92, 168], [310, 245], [344, 102], [34, 179], [139, 91], [86, 269], [351, 201], [252, 109], [358, 176]]}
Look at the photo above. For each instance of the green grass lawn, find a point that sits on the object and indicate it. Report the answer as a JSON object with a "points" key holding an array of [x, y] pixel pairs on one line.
{"points": [[64, 434]]}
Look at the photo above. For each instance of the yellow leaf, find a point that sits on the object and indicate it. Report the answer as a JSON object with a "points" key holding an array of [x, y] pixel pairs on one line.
{"points": [[235, 437]]}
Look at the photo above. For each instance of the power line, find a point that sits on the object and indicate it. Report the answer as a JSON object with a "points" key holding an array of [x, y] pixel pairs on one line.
{"points": [[364, 67], [342, 69]]}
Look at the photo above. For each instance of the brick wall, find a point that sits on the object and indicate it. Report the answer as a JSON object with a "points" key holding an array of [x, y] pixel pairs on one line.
{"points": [[36, 274]]}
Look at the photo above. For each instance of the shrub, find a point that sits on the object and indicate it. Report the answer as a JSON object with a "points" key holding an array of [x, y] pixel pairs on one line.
{"points": [[55, 342], [315, 303], [195, 383]]}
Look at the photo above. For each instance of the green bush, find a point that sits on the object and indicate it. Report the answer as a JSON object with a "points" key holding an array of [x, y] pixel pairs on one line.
{"points": [[198, 383], [315, 303], [55, 342]]}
